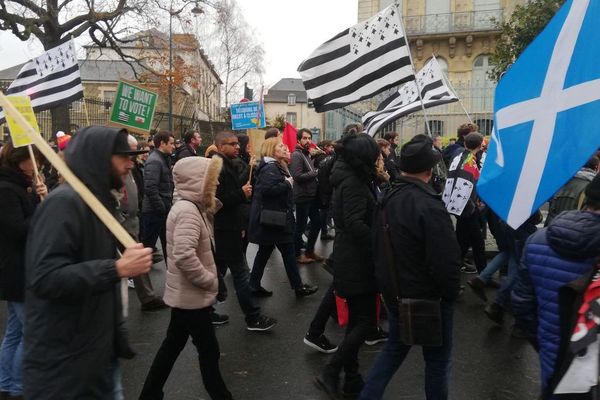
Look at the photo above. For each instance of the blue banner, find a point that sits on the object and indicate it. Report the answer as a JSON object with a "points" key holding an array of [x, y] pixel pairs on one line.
{"points": [[245, 115]]}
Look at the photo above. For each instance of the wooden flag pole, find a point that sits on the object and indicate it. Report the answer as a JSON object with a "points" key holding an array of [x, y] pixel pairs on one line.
{"points": [[87, 116], [447, 82], [418, 89], [36, 174], [95, 205]]}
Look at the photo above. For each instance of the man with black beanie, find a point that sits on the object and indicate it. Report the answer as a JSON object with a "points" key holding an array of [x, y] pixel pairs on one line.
{"points": [[425, 257]]}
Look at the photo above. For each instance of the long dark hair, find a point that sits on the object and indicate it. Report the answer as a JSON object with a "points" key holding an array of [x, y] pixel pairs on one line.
{"points": [[11, 157], [244, 155]]}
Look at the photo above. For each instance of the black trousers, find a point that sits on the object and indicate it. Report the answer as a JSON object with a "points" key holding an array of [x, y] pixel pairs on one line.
{"points": [[183, 324], [469, 233], [325, 311], [152, 227], [362, 320]]}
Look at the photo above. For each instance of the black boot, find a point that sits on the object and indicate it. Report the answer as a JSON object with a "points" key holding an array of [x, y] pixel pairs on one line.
{"points": [[353, 385], [328, 382], [495, 312]]}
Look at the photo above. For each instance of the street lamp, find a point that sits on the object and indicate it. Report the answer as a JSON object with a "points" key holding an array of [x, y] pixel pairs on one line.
{"points": [[197, 10]]}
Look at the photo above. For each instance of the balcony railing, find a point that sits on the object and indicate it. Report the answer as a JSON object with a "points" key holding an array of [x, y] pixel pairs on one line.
{"points": [[470, 21]]}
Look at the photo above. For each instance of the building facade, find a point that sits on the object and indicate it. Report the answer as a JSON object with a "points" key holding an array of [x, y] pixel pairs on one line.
{"points": [[288, 98], [462, 35], [196, 84]]}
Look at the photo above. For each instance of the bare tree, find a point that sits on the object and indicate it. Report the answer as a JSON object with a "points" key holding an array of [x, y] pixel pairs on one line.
{"points": [[233, 46], [107, 22]]}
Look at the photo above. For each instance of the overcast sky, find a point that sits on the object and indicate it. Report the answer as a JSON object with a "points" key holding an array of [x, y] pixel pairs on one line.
{"points": [[289, 30]]}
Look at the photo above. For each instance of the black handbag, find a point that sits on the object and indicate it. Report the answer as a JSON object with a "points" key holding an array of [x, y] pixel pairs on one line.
{"points": [[420, 320], [273, 218]]}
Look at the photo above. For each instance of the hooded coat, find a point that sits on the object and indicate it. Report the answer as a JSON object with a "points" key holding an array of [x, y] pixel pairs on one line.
{"points": [[192, 275], [17, 205], [73, 315], [271, 192], [553, 257], [353, 209]]}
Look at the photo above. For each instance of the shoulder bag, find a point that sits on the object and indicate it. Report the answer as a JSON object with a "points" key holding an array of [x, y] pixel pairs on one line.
{"points": [[420, 319]]}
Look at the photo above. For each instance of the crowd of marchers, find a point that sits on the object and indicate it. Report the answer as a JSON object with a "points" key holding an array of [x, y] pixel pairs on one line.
{"points": [[405, 221]]}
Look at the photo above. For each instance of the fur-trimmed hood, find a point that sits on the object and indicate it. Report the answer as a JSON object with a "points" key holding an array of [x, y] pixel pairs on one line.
{"points": [[196, 180]]}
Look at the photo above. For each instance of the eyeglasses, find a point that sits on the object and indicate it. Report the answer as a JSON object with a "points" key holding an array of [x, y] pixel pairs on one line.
{"points": [[234, 144]]}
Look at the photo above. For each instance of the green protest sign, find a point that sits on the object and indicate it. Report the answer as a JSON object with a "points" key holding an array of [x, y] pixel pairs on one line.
{"points": [[133, 107]]}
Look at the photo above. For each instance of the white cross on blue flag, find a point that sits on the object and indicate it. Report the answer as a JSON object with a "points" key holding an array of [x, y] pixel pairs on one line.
{"points": [[546, 112]]}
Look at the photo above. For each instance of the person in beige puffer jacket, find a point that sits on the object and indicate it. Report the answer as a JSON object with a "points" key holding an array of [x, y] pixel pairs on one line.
{"points": [[191, 284]]}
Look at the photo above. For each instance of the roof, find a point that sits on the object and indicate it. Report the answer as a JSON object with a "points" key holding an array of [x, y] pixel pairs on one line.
{"points": [[91, 70], [279, 92]]}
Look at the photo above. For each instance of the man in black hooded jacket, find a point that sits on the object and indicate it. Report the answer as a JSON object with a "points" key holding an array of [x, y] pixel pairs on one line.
{"points": [[73, 315]]}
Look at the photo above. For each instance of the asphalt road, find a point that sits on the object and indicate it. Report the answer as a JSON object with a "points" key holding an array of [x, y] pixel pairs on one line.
{"points": [[487, 363]]}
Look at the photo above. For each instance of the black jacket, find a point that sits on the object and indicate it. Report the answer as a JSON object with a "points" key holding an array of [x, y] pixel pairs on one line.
{"points": [[73, 314], [305, 176], [138, 177], [391, 164], [353, 207], [228, 220], [425, 250], [17, 205], [158, 184], [185, 151], [271, 192]]}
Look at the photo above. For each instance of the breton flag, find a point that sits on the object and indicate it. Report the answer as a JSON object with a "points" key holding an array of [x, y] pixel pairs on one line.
{"points": [[546, 115], [435, 91], [358, 63], [49, 80]]}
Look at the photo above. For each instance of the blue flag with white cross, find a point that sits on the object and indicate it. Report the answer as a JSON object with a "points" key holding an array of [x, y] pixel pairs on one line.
{"points": [[546, 115]]}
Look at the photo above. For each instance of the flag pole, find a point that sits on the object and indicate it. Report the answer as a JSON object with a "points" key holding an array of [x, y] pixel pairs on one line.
{"points": [[447, 81], [420, 96], [87, 116], [36, 173], [95, 205]]}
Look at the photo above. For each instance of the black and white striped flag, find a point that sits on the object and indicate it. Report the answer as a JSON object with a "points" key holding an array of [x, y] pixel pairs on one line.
{"points": [[358, 63], [434, 90], [49, 80]]}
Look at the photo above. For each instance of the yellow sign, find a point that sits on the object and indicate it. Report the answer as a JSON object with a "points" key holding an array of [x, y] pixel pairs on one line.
{"points": [[17, 132]]}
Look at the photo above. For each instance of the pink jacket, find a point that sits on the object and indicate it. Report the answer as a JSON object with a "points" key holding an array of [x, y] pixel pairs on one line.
{"points": [[192, 275]]}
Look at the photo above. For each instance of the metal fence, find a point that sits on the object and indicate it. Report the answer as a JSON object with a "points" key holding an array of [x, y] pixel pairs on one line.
{"points": [[90, 111]]}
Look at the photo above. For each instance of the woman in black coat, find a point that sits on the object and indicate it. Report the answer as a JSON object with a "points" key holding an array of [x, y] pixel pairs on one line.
{"points": [[273, 191], [17, 202], [354, 278]]}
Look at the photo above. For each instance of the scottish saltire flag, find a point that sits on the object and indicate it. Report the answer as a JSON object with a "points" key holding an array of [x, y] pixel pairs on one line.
{"points": [[546, 115], [49, 80], [435, 91], [358, 63]]}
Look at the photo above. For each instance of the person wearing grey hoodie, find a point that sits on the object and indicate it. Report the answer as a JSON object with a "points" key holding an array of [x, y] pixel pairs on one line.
{"points": [[191, 283]]}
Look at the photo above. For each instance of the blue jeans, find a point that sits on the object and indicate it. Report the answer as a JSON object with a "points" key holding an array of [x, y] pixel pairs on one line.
{"points": [[289, 261], [437, 360], [503, 294], [11, 352], [494, 265], [241, 281], [118, 384], [308, 209]]}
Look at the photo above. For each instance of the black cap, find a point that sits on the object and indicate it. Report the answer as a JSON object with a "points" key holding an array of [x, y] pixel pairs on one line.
{"points": [[418, 155], [122, 147], [592, 191]]}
